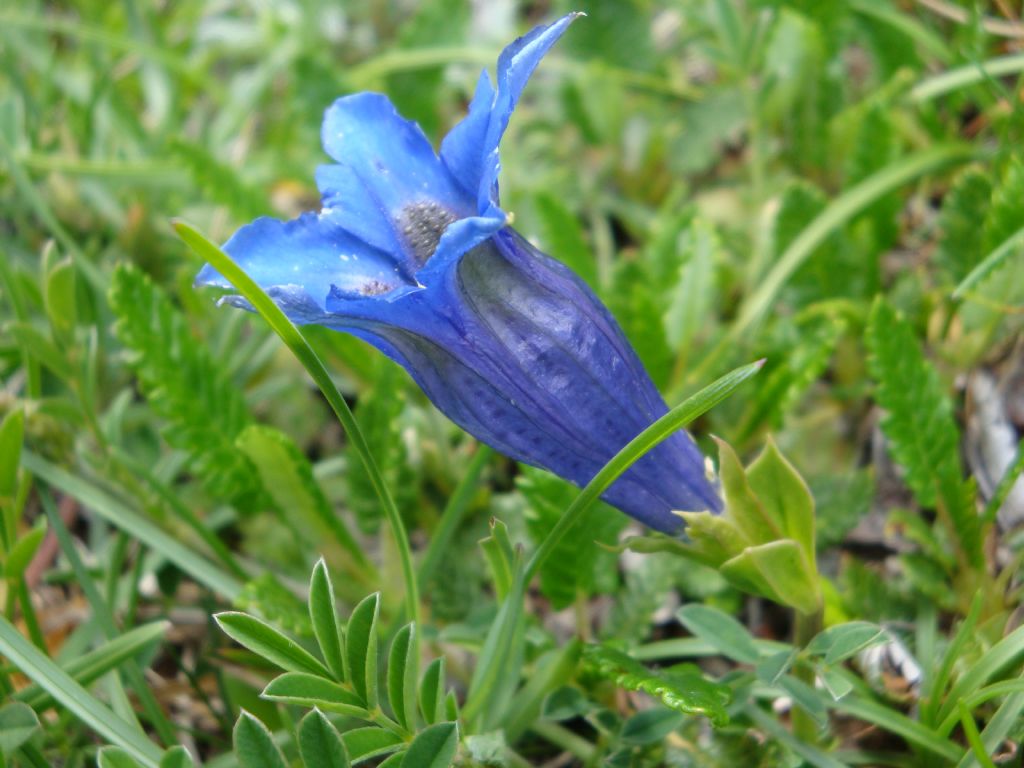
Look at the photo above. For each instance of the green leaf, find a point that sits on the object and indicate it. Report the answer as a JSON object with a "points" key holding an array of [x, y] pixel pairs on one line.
{"points": [[18, 722], [396, 760], [770, 669], [784, 495], [961, 240], [93, 664], [115, 757], [24, 550], [203, 408], [265, 596], [324, 617], [12, 433], [41, 348], [719, 629], [403, 675], [919, 424], [500, 555], [844, 640], [308, 690], [682, 689], [690, 300], [364, 743], [431, 692], [650, 726], [94, 713], [778, 570], [758, 523], [263, 640], [320, 744], [59, 297], [177, 757], [361, 648], [433, 747], [254, 746], [287, 476]]}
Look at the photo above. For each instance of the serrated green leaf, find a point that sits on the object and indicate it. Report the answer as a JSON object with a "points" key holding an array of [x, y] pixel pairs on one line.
{"points": [[433, 747], [313, 691], [203, 409], [263, 640], [784, 495], [320, 744], [115, 757], [364, 743], [403, 675], [254, 746], [961, 240], [324, 617], [361, 649], [842, 641], [683, 690], [719, 629], [177, 757], [689, 301], [12, 433], [287, 476], [919, 423], [636, 300], [18, 722], [431, 694]]}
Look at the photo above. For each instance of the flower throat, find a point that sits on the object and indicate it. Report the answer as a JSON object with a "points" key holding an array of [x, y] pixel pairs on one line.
{"points": [[422, 225]]}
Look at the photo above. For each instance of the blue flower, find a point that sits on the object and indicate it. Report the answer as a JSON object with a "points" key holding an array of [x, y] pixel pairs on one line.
{"points": [[412, 252]]}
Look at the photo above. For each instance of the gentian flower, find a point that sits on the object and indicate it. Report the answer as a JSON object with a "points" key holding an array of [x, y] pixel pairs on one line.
{"points": [[412, 252]]}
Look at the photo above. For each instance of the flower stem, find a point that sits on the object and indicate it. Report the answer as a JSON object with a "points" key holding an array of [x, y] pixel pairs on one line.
{"points": [[297, 343], [805, 627]]}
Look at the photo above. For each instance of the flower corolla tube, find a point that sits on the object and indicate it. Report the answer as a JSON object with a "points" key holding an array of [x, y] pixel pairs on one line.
{"points": [[412, 252]]}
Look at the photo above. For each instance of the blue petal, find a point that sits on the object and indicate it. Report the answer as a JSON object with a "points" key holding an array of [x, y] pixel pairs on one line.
{"points": [[386, 165], [299, 261], [470, 150]]}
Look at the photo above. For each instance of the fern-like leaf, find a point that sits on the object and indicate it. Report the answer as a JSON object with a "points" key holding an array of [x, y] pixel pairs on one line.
{"points": [[919, 423], [203, 410]]}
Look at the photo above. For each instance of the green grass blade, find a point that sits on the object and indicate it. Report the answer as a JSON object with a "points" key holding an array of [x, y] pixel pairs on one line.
{"points": [[118, 515], [962, 77], [74, 697], [92, 665]]}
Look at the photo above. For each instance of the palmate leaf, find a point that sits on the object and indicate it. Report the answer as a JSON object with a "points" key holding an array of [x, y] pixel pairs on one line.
{"points": [[204, 411], [919, 424]]}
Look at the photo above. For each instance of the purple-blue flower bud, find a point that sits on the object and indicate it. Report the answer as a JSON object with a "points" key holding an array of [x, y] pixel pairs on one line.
{"points": [[412, 252]]}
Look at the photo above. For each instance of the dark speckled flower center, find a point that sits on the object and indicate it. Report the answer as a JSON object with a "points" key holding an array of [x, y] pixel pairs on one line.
{"points": [[422, 225]]}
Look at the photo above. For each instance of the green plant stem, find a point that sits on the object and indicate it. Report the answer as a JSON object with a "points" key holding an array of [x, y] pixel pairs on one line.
{"points": [[805, 627], [565, 739], [297, 343], [453, 514], [675, 419], [969, 74]]}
